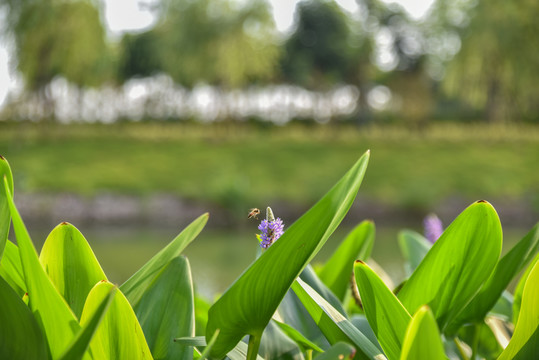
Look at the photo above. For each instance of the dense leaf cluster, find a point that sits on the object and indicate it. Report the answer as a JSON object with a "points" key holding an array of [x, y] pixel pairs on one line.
{"points": [[60, 305]]}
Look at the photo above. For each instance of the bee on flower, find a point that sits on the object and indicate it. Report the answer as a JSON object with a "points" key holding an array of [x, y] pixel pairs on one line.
{"points": [[271, 229]]}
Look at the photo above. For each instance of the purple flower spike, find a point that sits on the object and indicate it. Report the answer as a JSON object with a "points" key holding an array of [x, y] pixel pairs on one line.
{"points": [[433, 227], [271, 231]]}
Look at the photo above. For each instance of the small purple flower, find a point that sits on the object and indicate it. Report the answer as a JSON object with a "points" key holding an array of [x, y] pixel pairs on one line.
{"points": [[271, 231], [433, 227]]}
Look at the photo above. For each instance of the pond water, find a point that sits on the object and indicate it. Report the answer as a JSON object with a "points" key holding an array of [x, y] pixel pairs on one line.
{"points": [[218, 257]]}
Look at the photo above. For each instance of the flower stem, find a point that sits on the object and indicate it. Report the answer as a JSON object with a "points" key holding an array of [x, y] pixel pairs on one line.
{"points": [[254, 344]]}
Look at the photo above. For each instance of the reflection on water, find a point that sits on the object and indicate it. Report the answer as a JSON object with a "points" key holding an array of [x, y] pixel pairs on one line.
{"points": [[217, 258]]}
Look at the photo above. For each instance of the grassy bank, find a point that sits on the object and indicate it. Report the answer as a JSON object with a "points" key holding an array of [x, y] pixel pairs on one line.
{"points": [[242, 165]]}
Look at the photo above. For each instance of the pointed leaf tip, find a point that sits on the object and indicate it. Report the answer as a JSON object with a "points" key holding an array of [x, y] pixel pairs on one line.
{"points": [[481, 201]]}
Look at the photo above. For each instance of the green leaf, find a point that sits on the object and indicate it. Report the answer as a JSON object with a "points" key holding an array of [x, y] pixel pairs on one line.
{"points": [[248, 305], [5, 215], [387, 316], [295, 335], [508, 266], [119, 336], [517, 295], [202, 306], [340, 350], [422, 340], [71, 265], [191, 341], [135, 286], [294, 313], [52, 312], [166, 310], [362, 324], [11, 268], [338, 269], [20, 336], [81, 342], [276, 344], [525, 341], [238, 353], [457, 264], [333, 324], [414, 247]]}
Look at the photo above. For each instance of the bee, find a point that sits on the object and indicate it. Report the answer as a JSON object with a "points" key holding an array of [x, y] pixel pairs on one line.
{"points": [[253, 213]]}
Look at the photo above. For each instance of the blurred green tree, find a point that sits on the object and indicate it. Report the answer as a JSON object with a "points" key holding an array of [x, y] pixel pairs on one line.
{"points": [[225, 43], [58, 38], [328, 47], [403, 60], [496, 67]]}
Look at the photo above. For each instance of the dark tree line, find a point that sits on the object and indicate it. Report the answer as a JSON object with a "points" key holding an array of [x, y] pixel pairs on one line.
{"points": [[477, 56]]}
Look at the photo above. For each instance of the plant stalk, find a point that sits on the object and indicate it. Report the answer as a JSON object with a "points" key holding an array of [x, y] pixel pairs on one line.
{"points": [[475, 341], [254, 344]]}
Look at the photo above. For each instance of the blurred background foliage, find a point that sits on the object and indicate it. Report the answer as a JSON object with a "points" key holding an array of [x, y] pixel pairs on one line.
{"points": [[213, 109], [463, 60]]}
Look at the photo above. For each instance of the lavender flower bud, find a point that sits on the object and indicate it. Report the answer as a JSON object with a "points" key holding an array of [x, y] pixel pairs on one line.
{"points": [[433, 227]]}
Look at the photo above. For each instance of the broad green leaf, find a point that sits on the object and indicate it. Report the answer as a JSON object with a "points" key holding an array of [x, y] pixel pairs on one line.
{"points": [[304, 343], [166, 310], [135, 286], [422, 340], [20, 336], [333, 324], [248, 305], [414, 247], [52, 312], [525, 341], [508, 266], [5, 215], [71, 265], [309, 276], [275, 344], [387, 317], [119, 336], [340, 350], [81, 342], [202, 306], [517, 295], [362, 324], [338, 269], [457, 264], [292, 311], [11, 268]]}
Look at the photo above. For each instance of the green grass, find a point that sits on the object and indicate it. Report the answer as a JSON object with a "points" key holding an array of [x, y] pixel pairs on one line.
{"points": [[240, 165]]}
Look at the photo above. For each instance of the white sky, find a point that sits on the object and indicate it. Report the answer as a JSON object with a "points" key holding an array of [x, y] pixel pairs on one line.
{"points": [[129, 15]]}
